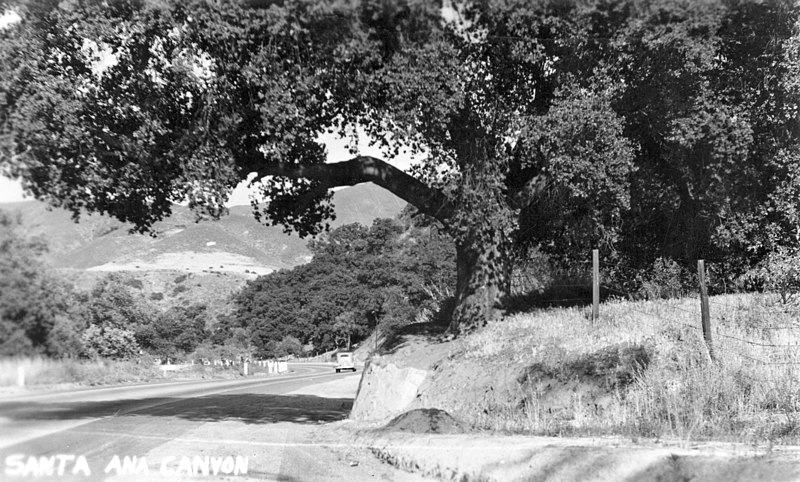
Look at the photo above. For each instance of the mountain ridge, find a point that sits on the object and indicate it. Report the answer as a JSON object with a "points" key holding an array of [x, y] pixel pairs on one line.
{"points": [[236, 243]]}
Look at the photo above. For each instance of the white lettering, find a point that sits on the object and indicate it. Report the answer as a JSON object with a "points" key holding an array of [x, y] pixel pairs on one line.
{"points": [[200, 465], [81, 465], [32, 467], [142, 468], [216, 462], [62, 462], [241, 465], [134, 465], [164, 469], [185, 465], [227, 465], [15, 465], [47, 465], [114, 465]]}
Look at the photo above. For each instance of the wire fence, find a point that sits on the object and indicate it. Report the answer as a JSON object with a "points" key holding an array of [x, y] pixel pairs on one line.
{"points": [[757, 329]]}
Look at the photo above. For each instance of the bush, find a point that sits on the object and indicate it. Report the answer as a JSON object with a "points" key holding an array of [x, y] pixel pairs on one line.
{"points": [[109, 342], [665, 279], [291, 346], [64, 339], [134, 283], [778, 273]]}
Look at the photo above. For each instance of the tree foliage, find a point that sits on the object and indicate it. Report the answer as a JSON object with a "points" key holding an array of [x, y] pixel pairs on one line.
{"points": [[648, 128], [175, 332], [32, 301], [359, 278], [110, 303], [109, 342], [41, 314]]}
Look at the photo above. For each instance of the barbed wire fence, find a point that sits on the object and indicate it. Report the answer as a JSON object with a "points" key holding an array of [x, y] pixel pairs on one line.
{"points": [[762, 332]]}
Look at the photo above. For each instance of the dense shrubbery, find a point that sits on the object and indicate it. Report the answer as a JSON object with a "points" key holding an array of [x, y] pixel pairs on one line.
{"points": [[41, 314], [360, 278], [31, 300], [778, 273]]}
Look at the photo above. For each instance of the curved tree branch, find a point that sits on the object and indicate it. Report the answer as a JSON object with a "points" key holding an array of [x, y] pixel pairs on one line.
{"points": [[531, 190], [360, 169]]}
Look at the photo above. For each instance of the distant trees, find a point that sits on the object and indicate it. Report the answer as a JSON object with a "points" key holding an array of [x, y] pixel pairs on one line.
{"points": [[33, 303], [109, 342], [110, 303], [41, 314], [174, 332], [359, 278]]}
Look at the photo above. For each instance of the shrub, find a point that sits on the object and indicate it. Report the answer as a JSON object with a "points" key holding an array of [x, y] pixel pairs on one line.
{"points": [[779, 273], [134, 283], [109, 342], [157, 296], [291, 346], [665, 279]]}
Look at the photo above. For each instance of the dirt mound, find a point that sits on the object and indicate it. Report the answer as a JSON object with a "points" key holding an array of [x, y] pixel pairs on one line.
{"points": [[426, 420]]}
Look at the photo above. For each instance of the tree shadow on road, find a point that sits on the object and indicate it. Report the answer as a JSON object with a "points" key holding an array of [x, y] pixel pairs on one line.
{"points": [[248, 408]]}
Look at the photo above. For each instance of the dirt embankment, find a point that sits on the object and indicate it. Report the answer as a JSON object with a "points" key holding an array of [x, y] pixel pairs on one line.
{"points": [[441, 407]]}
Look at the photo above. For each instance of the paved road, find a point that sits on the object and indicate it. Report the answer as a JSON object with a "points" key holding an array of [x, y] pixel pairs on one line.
{"points": [[218, 430]]}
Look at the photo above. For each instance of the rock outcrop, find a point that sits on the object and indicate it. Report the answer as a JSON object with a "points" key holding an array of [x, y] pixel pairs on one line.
{"points": [[386, 390]]}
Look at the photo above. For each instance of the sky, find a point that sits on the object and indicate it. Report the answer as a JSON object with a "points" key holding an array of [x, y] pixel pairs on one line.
{"points": [[11, 190]]}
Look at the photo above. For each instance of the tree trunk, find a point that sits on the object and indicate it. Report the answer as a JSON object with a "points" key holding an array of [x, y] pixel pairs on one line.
{"points": [[482, 280]]}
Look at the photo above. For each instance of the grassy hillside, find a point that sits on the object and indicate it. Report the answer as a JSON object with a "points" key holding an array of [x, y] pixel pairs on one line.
{"points": [[642, 370], [163, 289], [236, 243]]}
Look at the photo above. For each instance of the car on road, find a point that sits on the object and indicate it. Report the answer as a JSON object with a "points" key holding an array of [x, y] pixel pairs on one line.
{"points": [[344, 361]]}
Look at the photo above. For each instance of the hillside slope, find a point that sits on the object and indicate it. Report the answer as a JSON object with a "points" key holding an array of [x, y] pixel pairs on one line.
{"points": [[236, 243]]}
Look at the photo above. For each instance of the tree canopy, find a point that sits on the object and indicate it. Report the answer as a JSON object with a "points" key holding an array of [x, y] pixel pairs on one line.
{"points": [[644, 127], [359, 279], [32, 301]]}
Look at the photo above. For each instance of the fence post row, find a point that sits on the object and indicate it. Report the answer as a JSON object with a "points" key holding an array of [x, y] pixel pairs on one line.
{"points": [[595, 285], [705, 316]]}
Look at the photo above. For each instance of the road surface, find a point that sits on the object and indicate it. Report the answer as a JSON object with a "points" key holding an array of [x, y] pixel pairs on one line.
{"points": [[239, 430]]}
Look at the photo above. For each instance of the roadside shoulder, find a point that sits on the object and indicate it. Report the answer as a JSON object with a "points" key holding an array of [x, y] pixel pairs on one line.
{"points": [[481, 456]]}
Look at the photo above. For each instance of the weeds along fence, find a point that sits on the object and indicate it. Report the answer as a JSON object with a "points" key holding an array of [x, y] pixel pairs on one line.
{"points": [[756, 329]]}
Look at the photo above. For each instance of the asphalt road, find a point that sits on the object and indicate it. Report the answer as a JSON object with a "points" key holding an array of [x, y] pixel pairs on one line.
{"points": [[210, 430]]}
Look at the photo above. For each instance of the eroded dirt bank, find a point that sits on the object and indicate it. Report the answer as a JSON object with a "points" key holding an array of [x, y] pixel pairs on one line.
{"points": [[484, 383]]}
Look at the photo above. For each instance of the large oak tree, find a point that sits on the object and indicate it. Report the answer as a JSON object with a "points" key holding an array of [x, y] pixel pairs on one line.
{"points": [[529, 117], [127, 107]]}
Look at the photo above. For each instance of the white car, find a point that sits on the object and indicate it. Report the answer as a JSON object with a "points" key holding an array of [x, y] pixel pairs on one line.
{"points": [[344, 361]]}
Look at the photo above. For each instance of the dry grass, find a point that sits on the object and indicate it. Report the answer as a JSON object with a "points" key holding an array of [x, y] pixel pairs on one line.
{"points": [[641, 370], [47, 372]]}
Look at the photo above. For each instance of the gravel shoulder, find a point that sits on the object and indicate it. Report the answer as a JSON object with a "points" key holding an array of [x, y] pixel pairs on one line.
{"points": [[509, 458], [491, 457]]}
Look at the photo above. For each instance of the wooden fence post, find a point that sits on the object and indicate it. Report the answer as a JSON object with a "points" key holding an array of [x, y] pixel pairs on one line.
{"points": [[595, 285], [704, 310]]}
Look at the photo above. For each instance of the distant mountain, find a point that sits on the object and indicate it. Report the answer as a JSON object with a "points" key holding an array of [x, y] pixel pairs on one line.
{"points": [[235, 244]]}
